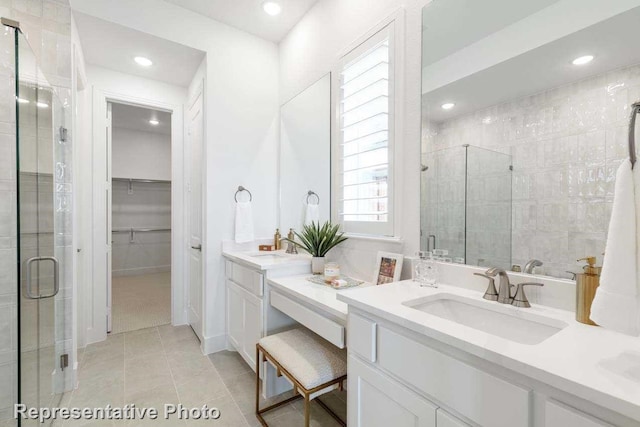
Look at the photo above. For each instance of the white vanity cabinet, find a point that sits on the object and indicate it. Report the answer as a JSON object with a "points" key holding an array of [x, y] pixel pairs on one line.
{"points": [[244, 321], [401, 378], [246, 302], [560, 415]]}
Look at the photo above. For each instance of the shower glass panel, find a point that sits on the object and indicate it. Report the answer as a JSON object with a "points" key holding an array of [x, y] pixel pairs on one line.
{"points": [[488, 208], [43, 234], [467, 209]]}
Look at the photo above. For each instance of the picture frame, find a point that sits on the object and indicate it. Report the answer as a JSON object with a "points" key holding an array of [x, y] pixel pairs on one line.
{"points": [[388, 268]]}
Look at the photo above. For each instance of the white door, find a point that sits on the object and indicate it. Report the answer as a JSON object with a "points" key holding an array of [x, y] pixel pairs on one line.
{"points": [[108, 197], [378, 401], [195, 142]]}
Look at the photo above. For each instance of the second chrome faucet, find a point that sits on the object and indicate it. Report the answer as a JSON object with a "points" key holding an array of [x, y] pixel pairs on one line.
{"points": [[503, 294]]}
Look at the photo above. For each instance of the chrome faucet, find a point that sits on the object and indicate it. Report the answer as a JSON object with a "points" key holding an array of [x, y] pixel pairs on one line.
{"points": [[528, 267], [504, 291]]}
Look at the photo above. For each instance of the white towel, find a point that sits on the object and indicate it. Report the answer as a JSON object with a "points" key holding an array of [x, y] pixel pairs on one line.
{"points": [[616, 302], [244, 222], [312, 214]]}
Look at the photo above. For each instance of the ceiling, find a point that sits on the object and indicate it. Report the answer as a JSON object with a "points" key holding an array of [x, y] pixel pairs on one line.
{"points": [[137, 118], [247, 15], [443, 33], [541, 69], [114, 46]]}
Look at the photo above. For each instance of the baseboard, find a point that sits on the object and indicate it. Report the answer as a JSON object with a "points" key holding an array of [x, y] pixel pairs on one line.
{"points": [[214, 344], [141, 270]]}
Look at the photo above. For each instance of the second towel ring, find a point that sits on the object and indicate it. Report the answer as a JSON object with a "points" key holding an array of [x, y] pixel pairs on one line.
{"points": [[241, 189], [313, 193]]}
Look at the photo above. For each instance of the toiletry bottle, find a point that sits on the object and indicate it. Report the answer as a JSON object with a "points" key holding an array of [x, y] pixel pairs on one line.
{"points": [[277, 240], [586, 284]]}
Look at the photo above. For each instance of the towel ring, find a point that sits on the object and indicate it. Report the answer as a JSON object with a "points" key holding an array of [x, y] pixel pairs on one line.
{"points": [[635, 110], [241, 189], [312, 193]]}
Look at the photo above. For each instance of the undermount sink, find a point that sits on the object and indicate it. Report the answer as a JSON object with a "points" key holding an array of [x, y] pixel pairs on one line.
{"points": [[496, 319]]}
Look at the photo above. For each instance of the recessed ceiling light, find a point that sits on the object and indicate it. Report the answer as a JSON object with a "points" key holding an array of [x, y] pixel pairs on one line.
{"points": [[22, 101], [583, 60], [42, 105], [154, 122], [145, 62], [448, 106], [272, 8]]}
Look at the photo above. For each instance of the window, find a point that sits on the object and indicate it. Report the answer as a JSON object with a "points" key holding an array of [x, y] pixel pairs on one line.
{"points": [[365, 125]]}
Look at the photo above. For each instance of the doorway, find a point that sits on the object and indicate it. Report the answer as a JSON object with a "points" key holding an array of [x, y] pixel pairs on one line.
{"points": [[139, 283]]}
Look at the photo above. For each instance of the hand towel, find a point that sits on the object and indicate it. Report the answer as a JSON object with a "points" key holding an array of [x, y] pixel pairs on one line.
{"points": [[615, 305], [244, 222], [312, 214]]}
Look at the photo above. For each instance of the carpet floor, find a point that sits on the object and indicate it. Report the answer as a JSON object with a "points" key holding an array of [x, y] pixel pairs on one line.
{"points": [[140, 302]]}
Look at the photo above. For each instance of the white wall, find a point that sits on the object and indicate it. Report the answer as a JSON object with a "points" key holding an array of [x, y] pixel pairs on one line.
{"points": [[312, 49], [241, 101], [133, 150]]}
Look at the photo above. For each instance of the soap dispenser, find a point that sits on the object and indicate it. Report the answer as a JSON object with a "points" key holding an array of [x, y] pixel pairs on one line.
{"points": [[586, 284], [277, 240]]}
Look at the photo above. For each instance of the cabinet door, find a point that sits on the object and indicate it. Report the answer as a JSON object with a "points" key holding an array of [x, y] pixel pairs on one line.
{"points": [[560, 415], [444, 419], [375, 400], [234, 315], [252, 319]]}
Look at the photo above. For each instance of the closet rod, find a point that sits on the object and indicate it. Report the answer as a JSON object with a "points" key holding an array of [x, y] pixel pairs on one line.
{"points": [[139, 230], [159, 181]]}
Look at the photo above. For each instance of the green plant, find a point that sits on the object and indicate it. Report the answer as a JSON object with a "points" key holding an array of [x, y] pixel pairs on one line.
{"points": [[319, 240]]}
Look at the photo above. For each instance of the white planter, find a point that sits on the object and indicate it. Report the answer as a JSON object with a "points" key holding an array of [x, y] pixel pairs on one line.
{"points": [[317, 265]]}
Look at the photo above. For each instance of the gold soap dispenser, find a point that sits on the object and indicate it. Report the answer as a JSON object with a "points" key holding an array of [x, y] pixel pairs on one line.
{"points": [[277, 240], [586, 284]]}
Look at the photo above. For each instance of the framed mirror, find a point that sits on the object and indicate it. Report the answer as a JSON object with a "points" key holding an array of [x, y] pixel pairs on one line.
{"points": [[525, 119], [305, 157]]}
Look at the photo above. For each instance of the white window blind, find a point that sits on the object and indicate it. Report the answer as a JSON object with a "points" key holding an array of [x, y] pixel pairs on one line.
{"points": [[365, 125]]}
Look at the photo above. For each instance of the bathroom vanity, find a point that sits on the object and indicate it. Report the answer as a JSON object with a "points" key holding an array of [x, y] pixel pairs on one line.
{"points": [[446, 357], [247, 304]]}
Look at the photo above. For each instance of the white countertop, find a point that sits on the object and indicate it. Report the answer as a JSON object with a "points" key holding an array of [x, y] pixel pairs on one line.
{"points": [[590, 362], [324, 298], [267, 260]]}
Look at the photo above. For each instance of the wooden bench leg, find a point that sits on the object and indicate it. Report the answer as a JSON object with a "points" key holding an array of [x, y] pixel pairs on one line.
{"points": [[307, 410]]}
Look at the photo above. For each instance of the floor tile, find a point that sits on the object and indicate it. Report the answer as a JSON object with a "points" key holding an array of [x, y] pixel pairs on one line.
{"points": [[199, 390], [229, 364]]}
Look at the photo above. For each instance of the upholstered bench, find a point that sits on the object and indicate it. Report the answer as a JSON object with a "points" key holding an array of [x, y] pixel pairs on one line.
{"points": [[311, 363]]}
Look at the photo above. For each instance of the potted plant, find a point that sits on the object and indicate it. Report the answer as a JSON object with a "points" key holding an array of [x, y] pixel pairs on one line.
{"points": [[318, 241]]}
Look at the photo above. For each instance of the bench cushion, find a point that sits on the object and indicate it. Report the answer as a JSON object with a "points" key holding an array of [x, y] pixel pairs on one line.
{"points": [[309, 358]]}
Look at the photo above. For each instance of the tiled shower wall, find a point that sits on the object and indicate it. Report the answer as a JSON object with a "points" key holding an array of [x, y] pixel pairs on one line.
{"points": [[567, 144], [47, 26]]}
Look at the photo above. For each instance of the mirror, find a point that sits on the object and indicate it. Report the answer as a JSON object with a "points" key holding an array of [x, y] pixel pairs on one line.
{"points": [[305, 156], [545, 87]]}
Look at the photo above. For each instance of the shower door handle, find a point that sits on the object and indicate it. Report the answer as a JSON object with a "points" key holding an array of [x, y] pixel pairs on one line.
{"points": [[56, 276]]}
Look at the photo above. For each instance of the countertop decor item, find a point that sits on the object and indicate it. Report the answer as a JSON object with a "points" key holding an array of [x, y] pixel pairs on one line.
{"points": [[388, 268], [318, 241], [350, 282]]}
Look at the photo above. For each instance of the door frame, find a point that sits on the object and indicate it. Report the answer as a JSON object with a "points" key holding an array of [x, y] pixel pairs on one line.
{"points": [[96, 319]]}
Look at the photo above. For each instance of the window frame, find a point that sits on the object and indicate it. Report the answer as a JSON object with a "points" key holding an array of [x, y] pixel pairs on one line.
{"points": [[390, 29]]}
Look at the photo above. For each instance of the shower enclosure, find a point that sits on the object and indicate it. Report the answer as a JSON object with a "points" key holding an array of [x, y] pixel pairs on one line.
{"points": [[36, 346], [468, 209]]}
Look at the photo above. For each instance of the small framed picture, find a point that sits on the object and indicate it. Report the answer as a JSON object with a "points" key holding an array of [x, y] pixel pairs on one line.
{"points": [[388, 268]]}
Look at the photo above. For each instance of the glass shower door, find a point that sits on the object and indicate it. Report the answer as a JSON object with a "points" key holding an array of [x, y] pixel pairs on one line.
{"points": [[38, 230]]}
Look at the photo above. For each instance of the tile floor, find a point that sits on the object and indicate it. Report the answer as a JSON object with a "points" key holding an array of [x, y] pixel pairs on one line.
{"points": [[154, 366]]}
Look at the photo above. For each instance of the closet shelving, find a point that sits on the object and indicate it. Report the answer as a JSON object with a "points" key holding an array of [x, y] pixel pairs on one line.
{"points": [[133, 230], [131, 181]]}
